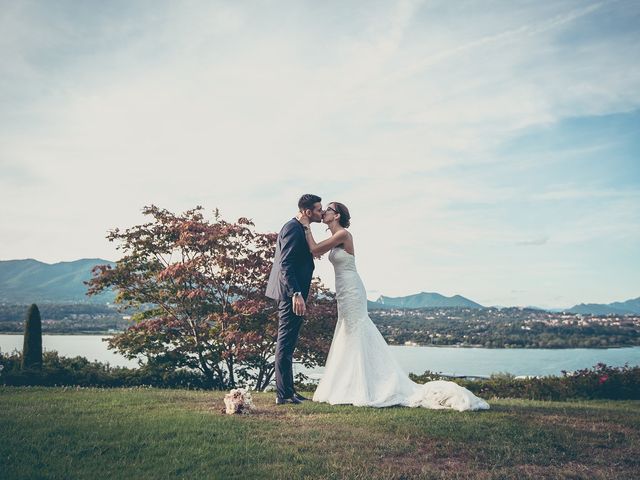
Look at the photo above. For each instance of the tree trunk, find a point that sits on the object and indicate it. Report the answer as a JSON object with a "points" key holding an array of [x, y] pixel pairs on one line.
{"points": [[267, 378], [232, 376]]}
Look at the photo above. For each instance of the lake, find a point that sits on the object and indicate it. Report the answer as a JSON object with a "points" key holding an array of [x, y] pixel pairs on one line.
{"points": [[447, 360]]}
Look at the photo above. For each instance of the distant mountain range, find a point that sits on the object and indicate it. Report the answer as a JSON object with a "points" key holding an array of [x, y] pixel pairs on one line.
{"points": [[423, 300], [434, 300], [31, 281], [618, 308]]}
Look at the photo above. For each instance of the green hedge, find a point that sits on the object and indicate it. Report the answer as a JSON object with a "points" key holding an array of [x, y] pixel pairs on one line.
{"points": [[78, 371], [598, 382]]}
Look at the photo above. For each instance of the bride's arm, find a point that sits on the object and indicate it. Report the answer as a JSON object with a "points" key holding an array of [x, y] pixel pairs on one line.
{"points": [[324, 246]]}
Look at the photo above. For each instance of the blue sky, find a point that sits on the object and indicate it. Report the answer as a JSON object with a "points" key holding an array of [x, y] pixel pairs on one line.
{"points": [[488, 149]]}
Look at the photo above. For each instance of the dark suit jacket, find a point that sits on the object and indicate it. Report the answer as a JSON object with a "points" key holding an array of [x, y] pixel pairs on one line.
{"points": [[292, 265]]}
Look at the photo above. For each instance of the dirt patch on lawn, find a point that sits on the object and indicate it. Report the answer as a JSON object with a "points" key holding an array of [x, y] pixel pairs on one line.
{"points": [[432, 457], [570, 470], [585, 424]]}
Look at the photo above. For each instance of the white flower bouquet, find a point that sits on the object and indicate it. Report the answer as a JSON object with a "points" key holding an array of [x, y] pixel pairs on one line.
{"points": [[238, 401]]}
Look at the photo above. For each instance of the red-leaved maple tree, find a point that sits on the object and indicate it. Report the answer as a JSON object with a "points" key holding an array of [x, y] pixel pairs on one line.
{"points": [[198, 289]]}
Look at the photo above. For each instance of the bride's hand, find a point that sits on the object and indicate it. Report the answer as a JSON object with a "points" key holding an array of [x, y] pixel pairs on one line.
{"points": [[304, 220]]}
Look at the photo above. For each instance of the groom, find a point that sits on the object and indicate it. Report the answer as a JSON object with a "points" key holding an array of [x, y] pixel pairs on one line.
{"points": [[289, 284]]}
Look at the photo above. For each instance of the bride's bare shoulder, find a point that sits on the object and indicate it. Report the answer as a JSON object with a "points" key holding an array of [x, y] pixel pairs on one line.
{"points": [[347, 236], [349, 244]]}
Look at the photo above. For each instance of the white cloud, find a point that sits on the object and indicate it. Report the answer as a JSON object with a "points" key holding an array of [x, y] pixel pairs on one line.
{"points": [[244, 107], [537, 241]]}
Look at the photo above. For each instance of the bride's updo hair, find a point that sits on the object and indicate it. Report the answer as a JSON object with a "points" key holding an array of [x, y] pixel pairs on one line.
{"points": [[345, 216]]}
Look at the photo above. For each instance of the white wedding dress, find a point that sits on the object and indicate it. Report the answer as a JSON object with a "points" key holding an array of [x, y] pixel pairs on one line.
{"points": [[361, 369]]}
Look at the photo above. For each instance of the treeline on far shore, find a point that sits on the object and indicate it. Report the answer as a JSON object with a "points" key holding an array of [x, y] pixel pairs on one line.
{"points": [[67, 318], [506, 328], [472, 327]]}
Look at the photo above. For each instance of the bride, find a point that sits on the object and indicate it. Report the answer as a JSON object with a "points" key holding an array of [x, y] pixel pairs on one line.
{"points": [[361, 369]]}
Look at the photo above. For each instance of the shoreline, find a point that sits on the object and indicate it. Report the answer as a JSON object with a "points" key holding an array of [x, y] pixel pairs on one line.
{"points": [[479, 347], [92, 333]]}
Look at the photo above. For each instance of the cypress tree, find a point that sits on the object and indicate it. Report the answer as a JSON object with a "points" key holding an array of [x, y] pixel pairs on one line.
{"points": [[32, 349]]}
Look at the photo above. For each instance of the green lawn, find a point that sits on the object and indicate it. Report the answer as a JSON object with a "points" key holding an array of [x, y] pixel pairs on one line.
{"points": [[155, 434]]}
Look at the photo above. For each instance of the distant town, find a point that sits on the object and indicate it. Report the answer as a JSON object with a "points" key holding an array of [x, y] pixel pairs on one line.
{"points": [[492, 327], [511, 327]]}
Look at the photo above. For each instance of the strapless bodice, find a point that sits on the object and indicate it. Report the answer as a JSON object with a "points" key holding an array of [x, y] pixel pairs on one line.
{"points": [[350, 292], [342, 260]]}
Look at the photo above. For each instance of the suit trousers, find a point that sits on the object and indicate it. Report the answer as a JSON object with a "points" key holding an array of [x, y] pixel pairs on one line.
{"points": [[288, 329]]}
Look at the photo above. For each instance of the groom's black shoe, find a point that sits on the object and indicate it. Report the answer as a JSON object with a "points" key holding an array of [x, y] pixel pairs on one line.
{"points": [[283, 401], [297, 396]]}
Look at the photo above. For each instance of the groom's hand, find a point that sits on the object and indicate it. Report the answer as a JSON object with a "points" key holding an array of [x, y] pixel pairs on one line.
{"points": [[299, 307]]}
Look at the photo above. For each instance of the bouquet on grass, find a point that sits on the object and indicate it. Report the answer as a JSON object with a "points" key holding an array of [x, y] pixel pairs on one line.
{"points": [[237, 401]]}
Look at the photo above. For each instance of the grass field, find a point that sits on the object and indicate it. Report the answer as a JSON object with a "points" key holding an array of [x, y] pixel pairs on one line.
{"points": [[155, 434]]}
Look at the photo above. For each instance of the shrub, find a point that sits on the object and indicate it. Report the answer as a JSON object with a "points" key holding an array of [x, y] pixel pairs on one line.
{"points": [[78, 371], [32, 349], [598, 382]]}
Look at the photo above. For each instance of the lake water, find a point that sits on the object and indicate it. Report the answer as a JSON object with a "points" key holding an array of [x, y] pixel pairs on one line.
{"points": [[447, 360]]}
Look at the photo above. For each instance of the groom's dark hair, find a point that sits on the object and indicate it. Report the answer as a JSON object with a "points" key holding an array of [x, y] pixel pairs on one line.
{"points": [[307, 200]]}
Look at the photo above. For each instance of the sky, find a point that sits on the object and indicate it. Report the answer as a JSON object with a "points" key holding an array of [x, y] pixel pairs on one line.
{"points": [[488, 149]]}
